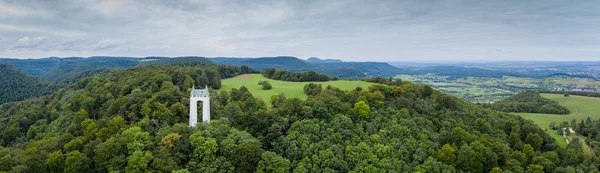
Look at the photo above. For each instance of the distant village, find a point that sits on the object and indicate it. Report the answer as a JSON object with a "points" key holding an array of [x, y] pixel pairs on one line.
{"points": [[593, 74], [574, 89]]}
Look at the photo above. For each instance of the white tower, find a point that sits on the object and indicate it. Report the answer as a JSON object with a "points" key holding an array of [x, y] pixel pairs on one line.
{"points": [[195, 96]]}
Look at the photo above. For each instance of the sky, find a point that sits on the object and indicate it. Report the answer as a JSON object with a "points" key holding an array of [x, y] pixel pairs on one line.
{"points": [[351, 30]]}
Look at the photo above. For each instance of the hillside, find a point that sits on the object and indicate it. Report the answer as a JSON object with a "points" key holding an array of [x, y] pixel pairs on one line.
{"points": [[135, 120], [36, 67], [529, 102], [58, 69], [16, 85], [69, 69], [54, 68]]}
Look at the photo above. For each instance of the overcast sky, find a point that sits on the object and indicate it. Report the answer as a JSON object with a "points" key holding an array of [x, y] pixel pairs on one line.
{"points": [[395, 30]]}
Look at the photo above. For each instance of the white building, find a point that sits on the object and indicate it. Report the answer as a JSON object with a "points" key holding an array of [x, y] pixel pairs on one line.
{"points": [[195, 96]]}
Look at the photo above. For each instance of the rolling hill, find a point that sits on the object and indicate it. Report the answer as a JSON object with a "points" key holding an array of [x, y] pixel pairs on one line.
{"points": [[58, 69], [16, 85], [68, 69]]}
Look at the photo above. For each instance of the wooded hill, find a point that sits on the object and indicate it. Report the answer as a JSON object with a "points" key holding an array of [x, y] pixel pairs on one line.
{"points": [[135, 120], [62, 68], [16, 85], [529, 102]]}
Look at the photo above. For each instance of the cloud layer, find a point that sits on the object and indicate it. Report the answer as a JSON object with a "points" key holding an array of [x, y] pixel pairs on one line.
{"points": [[351, 30]]}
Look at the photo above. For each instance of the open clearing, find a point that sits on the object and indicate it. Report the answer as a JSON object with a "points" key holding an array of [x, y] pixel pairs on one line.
{"points": [[290, 89], [580, 107]]}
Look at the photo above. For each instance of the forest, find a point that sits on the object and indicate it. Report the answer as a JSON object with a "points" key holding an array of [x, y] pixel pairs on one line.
{"points": [[18, 85], [309, 76], [135, 120], [528, 102]]}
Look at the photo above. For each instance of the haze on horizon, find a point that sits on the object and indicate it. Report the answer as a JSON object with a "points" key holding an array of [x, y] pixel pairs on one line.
{"points": [[412, 30]]}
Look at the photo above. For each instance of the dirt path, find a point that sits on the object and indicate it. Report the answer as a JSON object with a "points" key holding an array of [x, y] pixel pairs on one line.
{"points": [[565, 135]]}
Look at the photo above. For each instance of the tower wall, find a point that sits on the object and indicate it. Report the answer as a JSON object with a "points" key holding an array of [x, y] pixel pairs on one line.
{"points": [[194, 110]]}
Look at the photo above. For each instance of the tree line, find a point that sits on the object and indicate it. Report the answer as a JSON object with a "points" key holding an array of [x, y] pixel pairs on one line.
{"points": [[577, 93], [283, 75], [528, 102]]}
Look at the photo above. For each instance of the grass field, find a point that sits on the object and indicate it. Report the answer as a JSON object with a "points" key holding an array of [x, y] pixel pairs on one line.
{"points": [[580, 107], [291, 89]]}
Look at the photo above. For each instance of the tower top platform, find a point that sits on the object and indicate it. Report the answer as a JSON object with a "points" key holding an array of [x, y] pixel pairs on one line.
{"points": [[199, 92]]}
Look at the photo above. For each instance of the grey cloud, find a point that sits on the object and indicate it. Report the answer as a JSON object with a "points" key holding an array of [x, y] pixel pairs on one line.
{"points": [[350, 30]]}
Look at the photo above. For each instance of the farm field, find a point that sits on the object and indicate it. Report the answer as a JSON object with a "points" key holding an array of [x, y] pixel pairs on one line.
{"points": [[291, 89], [580, 107], [490, 89]]}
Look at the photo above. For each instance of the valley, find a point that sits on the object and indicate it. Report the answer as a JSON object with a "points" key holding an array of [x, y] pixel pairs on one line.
{"points": [[492, 89]]}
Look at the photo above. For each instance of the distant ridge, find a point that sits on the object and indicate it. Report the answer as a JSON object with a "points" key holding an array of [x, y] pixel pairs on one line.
{"points": [[58, 69], [322, 61], [175, 60], [331, 67]]}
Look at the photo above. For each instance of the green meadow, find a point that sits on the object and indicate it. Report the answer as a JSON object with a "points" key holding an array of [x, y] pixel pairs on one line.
{"points": [[580, 107], [290, 89]]}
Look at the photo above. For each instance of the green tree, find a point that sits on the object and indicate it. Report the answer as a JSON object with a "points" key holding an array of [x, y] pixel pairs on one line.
{"points": [[427, 91], [77, 162], [534, 140], [469, 160], [271, 162], [362, 109], [139, 161], [55, 162], [233, 112], [496, 170], [553, 125], [533, 168], [447, 155], [180, 171], [266, 85], [528, 152]]}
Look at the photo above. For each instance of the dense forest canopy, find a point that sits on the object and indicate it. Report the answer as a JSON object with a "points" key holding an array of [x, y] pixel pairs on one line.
{"points": [[16, 85], [61, 68], [529, 102], [69, 69], [135, 120]]}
